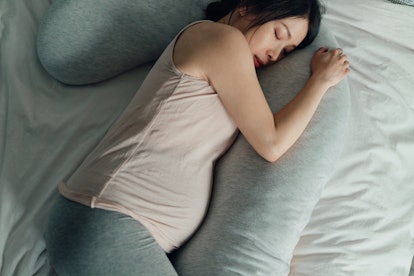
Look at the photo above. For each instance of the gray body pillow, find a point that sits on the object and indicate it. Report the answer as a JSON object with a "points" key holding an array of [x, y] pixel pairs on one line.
{"points": [[403, 2], [84, 41], [259, 209]]}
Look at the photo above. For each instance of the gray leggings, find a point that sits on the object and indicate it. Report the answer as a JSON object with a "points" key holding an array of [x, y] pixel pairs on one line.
{"points": [[85, 241], [84, 41]]}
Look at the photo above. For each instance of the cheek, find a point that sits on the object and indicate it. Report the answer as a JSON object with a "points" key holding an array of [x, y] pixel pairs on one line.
{"points": [[249, 35], [255, 36], [251, 41], [260, 41]]}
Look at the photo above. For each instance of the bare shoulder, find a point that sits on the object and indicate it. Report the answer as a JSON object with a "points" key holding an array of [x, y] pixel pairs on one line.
{"points": [[207, 45], [213, 32]]}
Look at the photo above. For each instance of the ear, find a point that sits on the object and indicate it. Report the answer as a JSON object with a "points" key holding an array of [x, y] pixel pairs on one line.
{"points": [[242, 10]]}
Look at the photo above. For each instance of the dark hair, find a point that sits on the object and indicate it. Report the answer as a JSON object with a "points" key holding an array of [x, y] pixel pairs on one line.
{"points": [[268, 10]]}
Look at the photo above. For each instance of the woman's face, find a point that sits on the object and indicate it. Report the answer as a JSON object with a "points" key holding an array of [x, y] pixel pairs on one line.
{"points": [[271, 41]]}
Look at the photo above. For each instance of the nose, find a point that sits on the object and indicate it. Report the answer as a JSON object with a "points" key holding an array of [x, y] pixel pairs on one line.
{"points": [[274, 53]]}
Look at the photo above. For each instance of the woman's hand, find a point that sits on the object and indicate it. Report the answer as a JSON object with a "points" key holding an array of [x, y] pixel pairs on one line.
{"points": [[329, 66]]}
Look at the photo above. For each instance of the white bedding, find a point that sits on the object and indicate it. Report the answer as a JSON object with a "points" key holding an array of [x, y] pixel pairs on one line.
{"points": [[365, 219], [364, 222]]}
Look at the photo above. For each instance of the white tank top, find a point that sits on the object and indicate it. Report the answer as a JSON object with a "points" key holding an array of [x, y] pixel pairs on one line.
{"points": [[156, 161]]}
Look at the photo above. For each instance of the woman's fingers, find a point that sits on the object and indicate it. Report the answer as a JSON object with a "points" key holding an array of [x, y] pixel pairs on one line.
{"points": [[330, 65], [323, 49], [338, 52]]}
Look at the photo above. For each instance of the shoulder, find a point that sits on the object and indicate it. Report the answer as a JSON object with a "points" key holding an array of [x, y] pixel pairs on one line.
{"points": [[211, 33], [208, 45], [217, 38]]}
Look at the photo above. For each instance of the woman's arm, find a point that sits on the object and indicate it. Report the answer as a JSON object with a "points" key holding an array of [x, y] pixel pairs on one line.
{"points": [[328, 68], [221, 55]]}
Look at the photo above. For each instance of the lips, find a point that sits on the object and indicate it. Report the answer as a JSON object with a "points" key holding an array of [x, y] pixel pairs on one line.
{"points": [[257, 62]]}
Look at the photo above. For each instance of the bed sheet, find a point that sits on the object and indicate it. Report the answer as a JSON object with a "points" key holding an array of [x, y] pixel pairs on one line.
{"points": [[46, 128], [364, 222]]}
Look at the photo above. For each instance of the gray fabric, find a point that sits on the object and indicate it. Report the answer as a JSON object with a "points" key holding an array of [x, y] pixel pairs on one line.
{"points": [[403, 2], [85, 241], [83, 41], [259, 209]]}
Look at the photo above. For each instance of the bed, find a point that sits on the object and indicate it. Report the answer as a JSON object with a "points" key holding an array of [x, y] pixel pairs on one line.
{"points": [[362, 219]]}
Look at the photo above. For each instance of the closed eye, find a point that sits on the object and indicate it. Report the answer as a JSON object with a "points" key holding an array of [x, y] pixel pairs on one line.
{"points": [[277, 37]]}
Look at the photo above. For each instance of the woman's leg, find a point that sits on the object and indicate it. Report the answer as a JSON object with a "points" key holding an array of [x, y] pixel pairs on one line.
{"points": [[85, 41], [85, 241]]}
